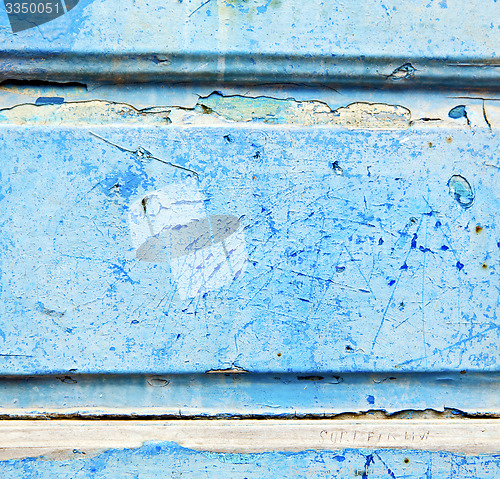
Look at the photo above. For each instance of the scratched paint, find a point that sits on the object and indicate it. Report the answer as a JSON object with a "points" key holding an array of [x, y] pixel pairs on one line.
{"points": [[205, 252], [379, 268], [154, 458]]}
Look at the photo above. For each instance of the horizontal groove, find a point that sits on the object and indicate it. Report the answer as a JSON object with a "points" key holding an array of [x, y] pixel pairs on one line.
{"points": [[369, 415], [251, 68], [246, 395]]}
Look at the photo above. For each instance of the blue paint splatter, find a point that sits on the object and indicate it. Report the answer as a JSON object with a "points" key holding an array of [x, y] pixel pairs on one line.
{"points": [[414, 241], [369, 460], [49, 100], [370, 399], [457, 112]]}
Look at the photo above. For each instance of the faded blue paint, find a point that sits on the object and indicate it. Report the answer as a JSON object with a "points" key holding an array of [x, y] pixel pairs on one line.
{"points": [[312, 256], [161, 459], [267, 26], [379, 268]]}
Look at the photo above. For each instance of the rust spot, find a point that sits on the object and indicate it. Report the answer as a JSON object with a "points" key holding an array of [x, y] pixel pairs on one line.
{"points": [[406, 460], [279, 355], [254, 177], [463, 371], [449, 139], [484, 266], [479, 228], [431, 145]]}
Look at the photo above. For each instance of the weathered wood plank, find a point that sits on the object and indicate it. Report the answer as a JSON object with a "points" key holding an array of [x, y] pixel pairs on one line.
{"points": [[463, 436], [251, 449]]}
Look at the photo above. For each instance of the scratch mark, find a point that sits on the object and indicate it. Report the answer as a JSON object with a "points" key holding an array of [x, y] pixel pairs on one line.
{"points": [[4, 355], [360, 272], [401, 270], [454, 345], [232, 370], [142, 153], [389, 471], [196, 9], [423, 291]]}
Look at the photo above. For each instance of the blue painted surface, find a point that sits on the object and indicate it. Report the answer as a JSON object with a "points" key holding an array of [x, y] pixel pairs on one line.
{"points": [[370, 28], [391, 265], [161, 459]]}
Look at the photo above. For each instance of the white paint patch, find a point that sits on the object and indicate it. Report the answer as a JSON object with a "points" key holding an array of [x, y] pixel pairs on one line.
{"points": [[205, 252], [83, 113]]}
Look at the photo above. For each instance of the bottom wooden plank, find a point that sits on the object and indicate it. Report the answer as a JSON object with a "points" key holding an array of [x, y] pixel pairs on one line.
{"points": [[460, 448]]}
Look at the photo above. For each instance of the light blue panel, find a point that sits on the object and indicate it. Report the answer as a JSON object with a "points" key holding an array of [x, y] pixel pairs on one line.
{"points": [[387, 28], [161, 459], [290, 249]]}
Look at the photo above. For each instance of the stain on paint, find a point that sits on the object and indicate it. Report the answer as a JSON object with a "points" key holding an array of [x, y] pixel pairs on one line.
{"points": [[67, 379], [310, 378], [49, 312], [461, 190], [43, 88], [205, 252]]}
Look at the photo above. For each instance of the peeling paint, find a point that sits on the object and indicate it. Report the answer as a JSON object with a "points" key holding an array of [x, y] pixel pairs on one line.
{"points": [[360, 115], [403, 72], [231, 370], [81, 113], [373, 116]]}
